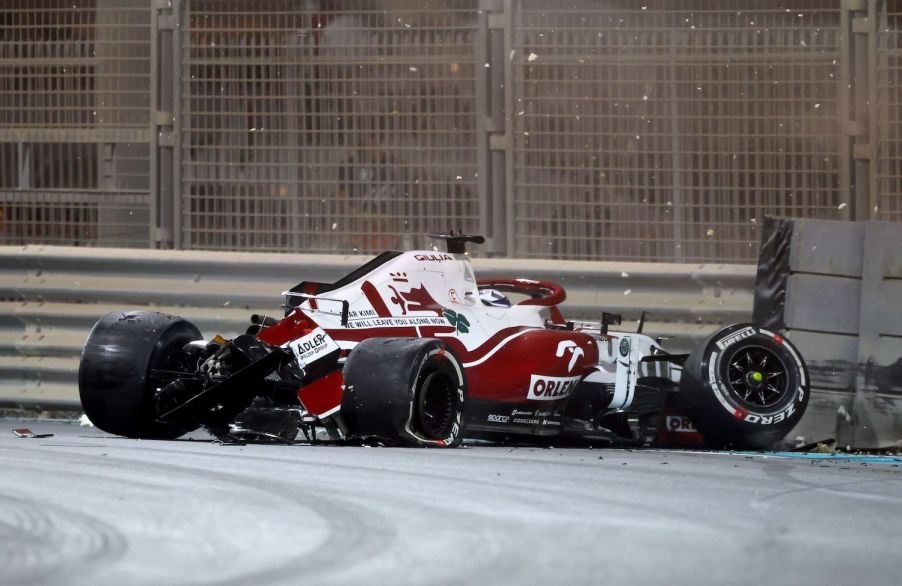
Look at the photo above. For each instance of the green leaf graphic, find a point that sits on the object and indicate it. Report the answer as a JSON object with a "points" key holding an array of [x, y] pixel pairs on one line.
{"points": [[461, 323]]}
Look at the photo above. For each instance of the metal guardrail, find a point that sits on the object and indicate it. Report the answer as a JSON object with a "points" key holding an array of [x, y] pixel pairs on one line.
{"points": [[50, 297]]}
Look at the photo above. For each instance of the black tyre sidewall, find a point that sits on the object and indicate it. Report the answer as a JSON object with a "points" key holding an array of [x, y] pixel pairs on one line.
{"points": [[113, 377], [382, 380], [725, 419], [436, 357]]}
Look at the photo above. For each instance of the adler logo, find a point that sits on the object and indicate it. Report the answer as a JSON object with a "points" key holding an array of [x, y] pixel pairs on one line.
{"points": [[434, 257], [312, 346], [551, 388]]}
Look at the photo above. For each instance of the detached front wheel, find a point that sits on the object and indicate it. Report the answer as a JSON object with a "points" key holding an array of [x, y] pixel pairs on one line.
{"points": [[745, 387], [120, 367]]}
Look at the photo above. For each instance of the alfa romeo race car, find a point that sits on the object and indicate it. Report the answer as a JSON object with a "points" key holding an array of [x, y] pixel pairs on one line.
{"points": [[412, 349]]}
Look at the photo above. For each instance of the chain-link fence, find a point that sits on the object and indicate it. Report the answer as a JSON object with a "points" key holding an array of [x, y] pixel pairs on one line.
{"points": [[74, 115], [653, 131], [887, 122], [662, 134], [344, 127]]}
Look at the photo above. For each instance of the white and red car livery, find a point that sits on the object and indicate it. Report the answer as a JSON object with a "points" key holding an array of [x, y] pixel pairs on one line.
{"points": [[412, 348]]}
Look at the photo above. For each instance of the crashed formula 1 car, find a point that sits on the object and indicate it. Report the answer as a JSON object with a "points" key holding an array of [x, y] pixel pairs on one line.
{"points": [[412, 349]]}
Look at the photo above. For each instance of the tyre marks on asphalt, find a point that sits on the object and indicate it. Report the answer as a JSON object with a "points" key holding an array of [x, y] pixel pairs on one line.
{"points": [[41, 542], [290, 530], [336, 515]]}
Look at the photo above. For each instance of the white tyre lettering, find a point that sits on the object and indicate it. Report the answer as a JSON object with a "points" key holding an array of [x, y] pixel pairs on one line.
{"points": [[735, 337]]}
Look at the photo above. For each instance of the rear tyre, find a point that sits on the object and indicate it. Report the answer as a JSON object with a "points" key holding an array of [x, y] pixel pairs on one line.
{"points": [[404, 390], [745, 387], [115, 381]]}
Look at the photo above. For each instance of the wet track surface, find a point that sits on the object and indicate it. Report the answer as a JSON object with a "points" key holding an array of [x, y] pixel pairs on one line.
{"points": [[83, 507]]}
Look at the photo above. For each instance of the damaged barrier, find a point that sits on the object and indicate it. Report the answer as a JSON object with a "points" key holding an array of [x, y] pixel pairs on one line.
{"points": [[835, 288]]}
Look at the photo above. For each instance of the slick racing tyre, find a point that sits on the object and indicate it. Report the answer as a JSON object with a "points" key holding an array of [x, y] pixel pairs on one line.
{"points": [[115, 380], [404, 390], [745, 387]]}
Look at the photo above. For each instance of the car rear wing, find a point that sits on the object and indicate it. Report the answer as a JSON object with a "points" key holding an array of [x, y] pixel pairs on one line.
{"points": [[293, 300]]}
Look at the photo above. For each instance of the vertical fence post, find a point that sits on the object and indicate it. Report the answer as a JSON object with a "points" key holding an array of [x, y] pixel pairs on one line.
{"points": [[25, 154], [296, 42], [162, 141], [676, 156], [844, 109], [511, 10], [855, 26], [180, 24], [482, 111], [492, 142], [874, 118], [152, 155]]}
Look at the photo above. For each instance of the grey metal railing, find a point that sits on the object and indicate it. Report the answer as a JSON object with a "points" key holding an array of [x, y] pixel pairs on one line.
{"points": [[50, 297]]}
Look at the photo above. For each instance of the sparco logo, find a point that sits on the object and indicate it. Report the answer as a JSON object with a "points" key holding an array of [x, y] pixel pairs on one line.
{"points": [[735, 337], [499, 418], [551, 388]]}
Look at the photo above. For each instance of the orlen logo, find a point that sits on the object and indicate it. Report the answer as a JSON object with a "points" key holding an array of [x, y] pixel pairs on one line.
{"points": [[551, 388], [680, 424], [575, 350]]}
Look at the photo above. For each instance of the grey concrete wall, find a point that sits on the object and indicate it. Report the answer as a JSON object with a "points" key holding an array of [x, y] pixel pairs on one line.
{"points": [[842, 284]]}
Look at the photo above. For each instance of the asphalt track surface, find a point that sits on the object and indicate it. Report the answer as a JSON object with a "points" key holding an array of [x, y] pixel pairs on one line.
{"points": [[83, 507]]}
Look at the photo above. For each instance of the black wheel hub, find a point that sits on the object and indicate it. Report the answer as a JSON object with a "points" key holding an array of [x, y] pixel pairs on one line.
{"points": [[754, 379], [757, 376], [436, 405]]}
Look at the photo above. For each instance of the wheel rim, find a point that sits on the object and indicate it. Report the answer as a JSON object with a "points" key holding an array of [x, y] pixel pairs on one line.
{"points": [[757, 376], [436, 405]]}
